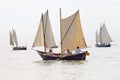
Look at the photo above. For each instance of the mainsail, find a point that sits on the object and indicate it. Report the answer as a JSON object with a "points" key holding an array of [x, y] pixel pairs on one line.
{"points": [[13, 38], [96, 35], [103, 36], [71, 33], [44, 36]]}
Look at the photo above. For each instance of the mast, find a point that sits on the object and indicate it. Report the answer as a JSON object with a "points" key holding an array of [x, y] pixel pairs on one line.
{"points": [[60, 31], [44, 33]]}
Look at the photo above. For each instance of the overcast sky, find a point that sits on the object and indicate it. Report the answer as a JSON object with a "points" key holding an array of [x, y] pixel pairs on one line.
{"points": [[24, 17]]}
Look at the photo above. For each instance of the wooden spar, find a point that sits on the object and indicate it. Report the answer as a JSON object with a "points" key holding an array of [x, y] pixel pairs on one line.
{"points": [[44, 34], [60, 32]]}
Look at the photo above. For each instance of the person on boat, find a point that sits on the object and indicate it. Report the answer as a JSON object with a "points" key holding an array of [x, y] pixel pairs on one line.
{"points": [[78, 50], [69, 52], [50, 52]]}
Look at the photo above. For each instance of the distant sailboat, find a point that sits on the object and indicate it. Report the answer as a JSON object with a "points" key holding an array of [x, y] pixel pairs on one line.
{"points": [[14, 42], [71, 37], [103, 39]]}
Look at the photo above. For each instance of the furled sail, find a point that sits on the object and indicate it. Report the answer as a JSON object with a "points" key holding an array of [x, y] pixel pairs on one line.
{"points": [[71, 33], [44, 36], [105, 35]]}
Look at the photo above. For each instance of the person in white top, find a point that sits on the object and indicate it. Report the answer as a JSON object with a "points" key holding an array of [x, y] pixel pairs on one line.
{"points": [[78, 50], [50, 51], [69, 52]]}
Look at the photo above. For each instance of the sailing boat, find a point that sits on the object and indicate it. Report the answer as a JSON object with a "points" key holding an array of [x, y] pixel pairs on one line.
{"points": [[103, 39], [14, 42], [71, 37]]}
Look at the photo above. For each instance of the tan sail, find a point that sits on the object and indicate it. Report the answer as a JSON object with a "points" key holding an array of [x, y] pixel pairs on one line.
{"points": [[44, 36], [49, 38], [39, 39], [71, 33]]}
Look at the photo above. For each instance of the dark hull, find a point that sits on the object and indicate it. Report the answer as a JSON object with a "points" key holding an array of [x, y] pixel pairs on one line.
{"points": [[19, 48], [103, 45], [81, 56]]}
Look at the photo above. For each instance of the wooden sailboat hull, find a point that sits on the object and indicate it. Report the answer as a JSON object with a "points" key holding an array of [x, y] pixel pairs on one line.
{"points": [[48, 57], [81, 56], [19, 48], [103, 45]]}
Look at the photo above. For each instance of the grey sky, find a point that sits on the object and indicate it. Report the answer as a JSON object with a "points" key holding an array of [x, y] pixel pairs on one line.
{"points": [[24, 16]]}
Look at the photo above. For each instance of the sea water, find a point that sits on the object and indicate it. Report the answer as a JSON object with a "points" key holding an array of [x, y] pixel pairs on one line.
{"points": [[102, 64]]}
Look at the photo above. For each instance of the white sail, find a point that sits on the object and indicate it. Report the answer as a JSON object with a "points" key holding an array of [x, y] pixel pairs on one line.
{"points": [[49, 38], [105, 35], [11, 38], [39, 39], [97, 37], [15, 37], [71, 33], [44, 36]]}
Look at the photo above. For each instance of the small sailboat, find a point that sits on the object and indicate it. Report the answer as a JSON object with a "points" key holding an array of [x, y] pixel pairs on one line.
{"points": [[103, 39], [14, 42], [71, 37]]}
